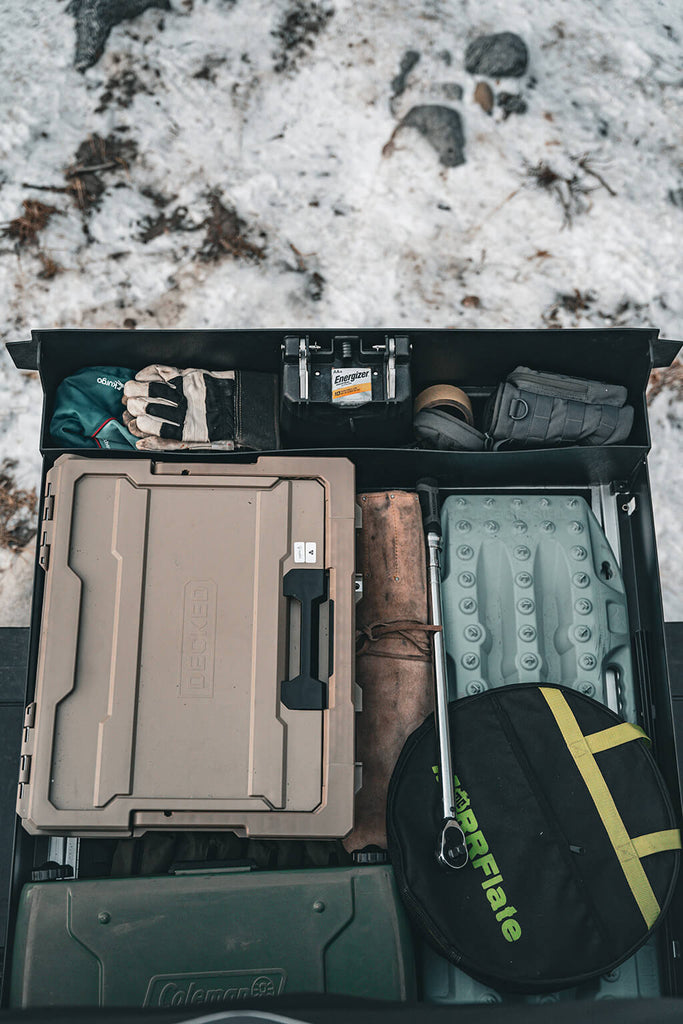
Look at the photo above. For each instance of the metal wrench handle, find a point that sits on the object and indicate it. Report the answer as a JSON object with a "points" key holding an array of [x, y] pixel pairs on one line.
{"points": [[451, 847], [441, 681]]}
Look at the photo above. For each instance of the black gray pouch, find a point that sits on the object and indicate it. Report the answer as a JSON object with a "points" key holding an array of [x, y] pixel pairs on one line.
{"points": [[532, 409]]}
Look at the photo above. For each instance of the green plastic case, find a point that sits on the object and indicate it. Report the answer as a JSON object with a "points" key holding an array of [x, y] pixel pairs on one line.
{"points": [[212, 939]]}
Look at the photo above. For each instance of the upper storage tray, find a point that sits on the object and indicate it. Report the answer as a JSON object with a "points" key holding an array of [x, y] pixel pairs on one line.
{"points": [[475, 360]]}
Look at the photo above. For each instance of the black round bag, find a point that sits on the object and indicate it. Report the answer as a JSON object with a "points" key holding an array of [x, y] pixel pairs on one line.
{"points": [[573, 842]]}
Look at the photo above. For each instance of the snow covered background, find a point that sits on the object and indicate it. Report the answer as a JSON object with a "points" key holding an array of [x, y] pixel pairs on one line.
{"points": [[570, 214]]}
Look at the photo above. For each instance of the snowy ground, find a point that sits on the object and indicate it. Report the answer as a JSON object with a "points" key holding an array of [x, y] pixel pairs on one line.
{"points": [[233, 97]]}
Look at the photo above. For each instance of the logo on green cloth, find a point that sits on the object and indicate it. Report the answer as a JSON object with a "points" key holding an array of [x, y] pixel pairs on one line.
{"points": [[482, 860], [214, 989]]}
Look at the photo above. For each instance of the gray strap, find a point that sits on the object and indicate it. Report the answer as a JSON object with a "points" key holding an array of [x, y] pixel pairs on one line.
{"points": [[609, 417], [574, 421], [541, 410]]}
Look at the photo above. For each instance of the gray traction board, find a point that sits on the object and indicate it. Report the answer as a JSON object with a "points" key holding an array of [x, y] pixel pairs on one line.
{"points": [[532, 591]]}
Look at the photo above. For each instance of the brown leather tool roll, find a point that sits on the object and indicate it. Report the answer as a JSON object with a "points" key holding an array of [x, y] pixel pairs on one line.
{"points": [[393, 652]]}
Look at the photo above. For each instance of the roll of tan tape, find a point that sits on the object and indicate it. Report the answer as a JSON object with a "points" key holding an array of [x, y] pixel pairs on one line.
{"points": [[445, 396]]}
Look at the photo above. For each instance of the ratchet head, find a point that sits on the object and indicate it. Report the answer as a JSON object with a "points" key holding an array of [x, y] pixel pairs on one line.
{"points": [[451, 847]]}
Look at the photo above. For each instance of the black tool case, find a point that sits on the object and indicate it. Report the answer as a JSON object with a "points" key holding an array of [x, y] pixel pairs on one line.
{"points": [[612, 479]]}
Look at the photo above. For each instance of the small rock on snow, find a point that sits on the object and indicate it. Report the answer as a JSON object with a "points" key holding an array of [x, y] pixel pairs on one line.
{"points": [[500, 55], [96, 18], [511, 103], [408, 62], [442, 127], [450, 90], [483, 95]]}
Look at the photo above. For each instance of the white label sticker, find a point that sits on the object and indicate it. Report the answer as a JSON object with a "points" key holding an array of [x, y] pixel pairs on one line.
{"points": [[299, 551], [311, 551], [351, 385]]}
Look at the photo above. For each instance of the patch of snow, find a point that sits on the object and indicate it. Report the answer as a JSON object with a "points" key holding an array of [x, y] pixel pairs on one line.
{"points": [[398, 239]]}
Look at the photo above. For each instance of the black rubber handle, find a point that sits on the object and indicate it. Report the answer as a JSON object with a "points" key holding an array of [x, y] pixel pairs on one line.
{"points": [[306, 692], [428, 492], [664, 352], [24, 354]]}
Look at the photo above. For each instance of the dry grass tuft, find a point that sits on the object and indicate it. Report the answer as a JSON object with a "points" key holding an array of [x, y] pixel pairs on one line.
{"points": [[670, 378], [226, 235], [35, 217], [95, 156]]}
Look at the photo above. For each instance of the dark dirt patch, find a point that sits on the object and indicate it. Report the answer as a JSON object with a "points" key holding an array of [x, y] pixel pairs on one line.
{"points": [[94, 157], [543, 175], [17, 510], [315, 282], [315, 286], [50, 267], [153, 227], [158, 198], [627, 313], [207, 71], [570, 190], [121, 89], [227, 235], [574, 302], [297, 31], [24, 228]]}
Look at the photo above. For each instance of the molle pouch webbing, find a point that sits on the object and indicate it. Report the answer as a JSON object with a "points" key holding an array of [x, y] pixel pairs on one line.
{"points": [[535, 410]]}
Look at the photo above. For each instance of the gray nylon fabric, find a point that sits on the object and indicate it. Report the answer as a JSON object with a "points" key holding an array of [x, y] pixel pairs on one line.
{"points": [[436, 428], [539, 410]]}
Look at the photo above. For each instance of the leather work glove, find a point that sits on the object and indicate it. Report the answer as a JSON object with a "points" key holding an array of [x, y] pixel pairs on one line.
{"points": [[170, 408]]}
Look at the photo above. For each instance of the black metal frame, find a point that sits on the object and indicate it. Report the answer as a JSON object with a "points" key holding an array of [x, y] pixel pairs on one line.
{"points": [[477, 360]]}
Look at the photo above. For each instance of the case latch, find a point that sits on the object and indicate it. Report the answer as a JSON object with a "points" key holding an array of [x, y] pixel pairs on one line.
{"points": [[391, 369], [44, 553], [30, 716], [48, 505], [24, 769]]}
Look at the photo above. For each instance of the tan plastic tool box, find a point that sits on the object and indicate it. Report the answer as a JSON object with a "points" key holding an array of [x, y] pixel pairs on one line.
{"points": [[196, 649]]}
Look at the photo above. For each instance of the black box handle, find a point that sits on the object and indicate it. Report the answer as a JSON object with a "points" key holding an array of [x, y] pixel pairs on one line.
{"points": [[306, 692], [664, 352], [24, 354]]}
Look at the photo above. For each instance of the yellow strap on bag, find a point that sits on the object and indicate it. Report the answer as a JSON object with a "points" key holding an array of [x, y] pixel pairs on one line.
{"points": [[657, 842], [628, 851], [615, 736]]}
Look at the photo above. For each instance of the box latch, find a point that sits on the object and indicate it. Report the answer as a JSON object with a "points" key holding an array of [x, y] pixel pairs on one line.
{"points": [[30, 716], [48, 505], [24, 769], [47, 517], [44, 552]]}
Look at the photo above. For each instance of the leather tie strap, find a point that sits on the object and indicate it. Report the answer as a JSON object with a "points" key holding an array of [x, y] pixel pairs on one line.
{"points": [[415, 633]]}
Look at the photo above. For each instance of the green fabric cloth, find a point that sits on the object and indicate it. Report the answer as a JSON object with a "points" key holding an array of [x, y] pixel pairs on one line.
{"points": [[88, 409]]}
